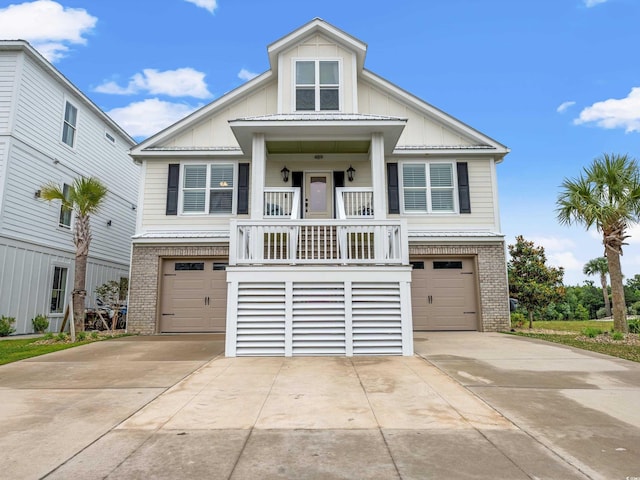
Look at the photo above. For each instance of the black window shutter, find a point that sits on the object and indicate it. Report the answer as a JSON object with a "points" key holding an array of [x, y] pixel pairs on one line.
{"points": [[393, 191], [243, 188], [338, 179], [173, 184], [296, 179], [463, 188]]}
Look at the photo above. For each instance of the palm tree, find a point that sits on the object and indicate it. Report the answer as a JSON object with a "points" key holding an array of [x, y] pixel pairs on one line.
{"points": [[607, 196], [601, 267], [83, 198]]}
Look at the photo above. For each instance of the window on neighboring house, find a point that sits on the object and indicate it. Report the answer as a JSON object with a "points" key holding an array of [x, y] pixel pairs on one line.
{"points": [[65, 213], [58, 289], [317, 85], [208, 189], [428, 187], [70, 121]]}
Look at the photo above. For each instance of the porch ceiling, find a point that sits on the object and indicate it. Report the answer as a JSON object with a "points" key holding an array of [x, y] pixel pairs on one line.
{"points": [[318, 146], [335, 133]]}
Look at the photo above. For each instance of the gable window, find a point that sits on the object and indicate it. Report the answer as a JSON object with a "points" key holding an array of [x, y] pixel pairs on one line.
{"points": [[208, 188], [317, 85], [69, 126], [428, 188], [58, 289], [65, 213]]}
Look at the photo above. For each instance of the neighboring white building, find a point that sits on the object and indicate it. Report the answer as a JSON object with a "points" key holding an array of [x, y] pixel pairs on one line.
{"points": [[318, 209], [50, 131]]}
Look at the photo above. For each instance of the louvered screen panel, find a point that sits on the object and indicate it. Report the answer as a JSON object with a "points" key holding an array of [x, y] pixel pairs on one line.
{"points": [[261, 319], [318, 319], [377, 319]]}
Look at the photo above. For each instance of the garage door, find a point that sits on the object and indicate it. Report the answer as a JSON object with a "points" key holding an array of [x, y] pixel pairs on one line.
{"points": [[443, 294], [194, 296]]}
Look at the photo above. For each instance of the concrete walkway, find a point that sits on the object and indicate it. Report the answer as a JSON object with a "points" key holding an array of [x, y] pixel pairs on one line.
{"points": [[469, 405]]}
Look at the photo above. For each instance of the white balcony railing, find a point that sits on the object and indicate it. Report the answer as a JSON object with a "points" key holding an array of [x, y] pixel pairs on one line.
{"points": [[281, 203], [354, 202], [357, 242]]}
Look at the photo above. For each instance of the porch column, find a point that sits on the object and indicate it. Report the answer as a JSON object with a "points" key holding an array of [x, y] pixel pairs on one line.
{"points": [[378, 176], [258, 163]]}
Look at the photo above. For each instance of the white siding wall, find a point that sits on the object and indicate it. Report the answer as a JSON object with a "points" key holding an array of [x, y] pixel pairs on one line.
{"points": [[26, 277], [215, 130], [317, 47], [8, 65], [420, 130]]}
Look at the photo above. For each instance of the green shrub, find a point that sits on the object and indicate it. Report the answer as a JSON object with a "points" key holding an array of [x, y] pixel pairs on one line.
{"points": [[591, 332], [617, 336], [5, 326], [81, 336], [48, 336], [517, 319], [95, 334], [40, 323], [62, 336], [601, 312]]}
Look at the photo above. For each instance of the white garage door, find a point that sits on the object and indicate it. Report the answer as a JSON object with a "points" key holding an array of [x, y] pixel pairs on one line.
{"points": [[443, 294], [193, 296]]}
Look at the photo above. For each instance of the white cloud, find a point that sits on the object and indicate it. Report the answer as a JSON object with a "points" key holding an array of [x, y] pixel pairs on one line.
{"points": [[566, 260], [615, 113], [553, 244], [209, 5], [47, 25], [145, 118], [182, 82], [593, 3], [564, 106], [246, 75]]}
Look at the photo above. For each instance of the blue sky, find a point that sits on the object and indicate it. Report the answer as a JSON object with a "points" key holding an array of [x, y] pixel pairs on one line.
{"points": [[557, 81]]}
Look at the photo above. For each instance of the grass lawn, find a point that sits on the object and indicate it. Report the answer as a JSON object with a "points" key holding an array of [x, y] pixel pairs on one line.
{"points": [[14, 350], [571, 333], [22, 348]]}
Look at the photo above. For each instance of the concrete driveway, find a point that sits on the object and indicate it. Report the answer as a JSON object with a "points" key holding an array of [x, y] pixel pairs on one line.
{"points": [[468, 405]]}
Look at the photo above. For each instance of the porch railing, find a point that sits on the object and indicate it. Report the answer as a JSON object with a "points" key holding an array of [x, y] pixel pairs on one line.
{"points": [[354, 202], [357, 242], [281, 202]]}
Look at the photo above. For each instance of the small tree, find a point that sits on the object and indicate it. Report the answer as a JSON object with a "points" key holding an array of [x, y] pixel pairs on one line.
{"points": [[84, 198], [606, 196], [531, 281], [600, 267]]}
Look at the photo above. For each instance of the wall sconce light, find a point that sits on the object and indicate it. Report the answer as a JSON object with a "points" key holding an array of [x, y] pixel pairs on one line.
{"points": [[285, 174], [351, 173], [108, 223], [37, 194]]}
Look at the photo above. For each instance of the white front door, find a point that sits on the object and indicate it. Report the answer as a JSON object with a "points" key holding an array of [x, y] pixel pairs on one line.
{"points": [[318, 193]]}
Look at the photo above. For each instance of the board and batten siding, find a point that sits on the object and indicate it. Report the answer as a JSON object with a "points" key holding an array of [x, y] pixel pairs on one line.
{"points": [[317, 47], [214, 131], [26, 277], [420, 129]]}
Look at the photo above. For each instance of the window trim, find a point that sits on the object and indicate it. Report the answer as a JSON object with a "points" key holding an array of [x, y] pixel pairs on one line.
{"points": [[316, 86], [66, 124], [429, 189], [208, 189], [65, 290]]}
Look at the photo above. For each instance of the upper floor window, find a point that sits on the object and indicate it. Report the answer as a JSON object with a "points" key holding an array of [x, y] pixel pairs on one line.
{"points": [[65, 213], [317, 85], [69, 127], [428, 188], [208, 188]]}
